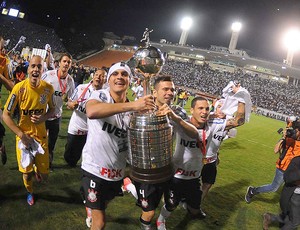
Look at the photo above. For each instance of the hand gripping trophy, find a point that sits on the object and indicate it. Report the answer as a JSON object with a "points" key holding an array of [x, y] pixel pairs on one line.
{"points": [[149, 135]]}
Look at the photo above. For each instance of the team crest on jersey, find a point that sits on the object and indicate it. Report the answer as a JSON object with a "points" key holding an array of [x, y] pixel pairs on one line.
{"points": [[47, 91], [43, 98], [144, 203], [92, 195], [102, 97], [22, 90]]}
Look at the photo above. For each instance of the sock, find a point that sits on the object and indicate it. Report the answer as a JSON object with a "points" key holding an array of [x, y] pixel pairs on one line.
{"points": [[131, 188], [164, 214], [28, 183], [145, 225]]}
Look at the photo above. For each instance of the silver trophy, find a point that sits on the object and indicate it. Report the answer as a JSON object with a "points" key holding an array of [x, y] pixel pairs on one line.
{"points": [[149, 135]]}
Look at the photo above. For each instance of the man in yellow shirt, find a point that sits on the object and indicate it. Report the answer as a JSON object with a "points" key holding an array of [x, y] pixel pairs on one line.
{"points": [[32, 96]]}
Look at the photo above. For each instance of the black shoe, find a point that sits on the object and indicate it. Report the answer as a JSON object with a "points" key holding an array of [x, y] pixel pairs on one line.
{"points": [[200, 215], [249, 194], [3, 154]]}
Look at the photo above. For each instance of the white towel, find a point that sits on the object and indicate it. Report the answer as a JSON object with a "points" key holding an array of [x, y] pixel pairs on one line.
{"points": [[231, 103], [28, 154]]}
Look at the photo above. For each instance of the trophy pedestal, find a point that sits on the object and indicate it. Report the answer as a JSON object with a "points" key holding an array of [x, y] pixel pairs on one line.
{"points": [[151, 148]]}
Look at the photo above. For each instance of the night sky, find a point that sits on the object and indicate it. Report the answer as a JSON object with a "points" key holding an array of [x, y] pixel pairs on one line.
{"points": [[264, 21]]}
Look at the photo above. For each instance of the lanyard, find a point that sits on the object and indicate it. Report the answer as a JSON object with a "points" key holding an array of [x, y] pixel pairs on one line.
{"points": [[62, 86], [203, 149], [83, 93]]}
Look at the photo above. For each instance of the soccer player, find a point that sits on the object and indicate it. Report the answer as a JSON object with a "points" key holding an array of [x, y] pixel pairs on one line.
{"points": [[187, 160], [77, 130], [32, 96], [219, 123], [149, 195], [104, 154], [64, 86]]}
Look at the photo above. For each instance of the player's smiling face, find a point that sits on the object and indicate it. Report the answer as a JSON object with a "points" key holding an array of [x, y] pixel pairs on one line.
{"points": [[200, 112], [99, 79], [35, 70], [119, 80]]}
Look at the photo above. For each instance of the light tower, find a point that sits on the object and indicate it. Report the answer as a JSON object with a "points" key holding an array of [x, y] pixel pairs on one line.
{"points": [[235, 27], [292, 42], [185, 25]]}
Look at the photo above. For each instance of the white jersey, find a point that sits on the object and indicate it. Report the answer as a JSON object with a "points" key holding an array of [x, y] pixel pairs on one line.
{"points": [[105, 151], [78, 121], [61, 87], [139, 91], [187, 158], [217, 133]]}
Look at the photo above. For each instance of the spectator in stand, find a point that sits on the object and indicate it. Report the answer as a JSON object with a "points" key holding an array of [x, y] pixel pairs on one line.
{"points": [[20, 72], [80, 75]]}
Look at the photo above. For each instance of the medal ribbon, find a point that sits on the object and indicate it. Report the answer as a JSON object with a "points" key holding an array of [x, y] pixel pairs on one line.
{"points": [[62, 86], [83, 93]]}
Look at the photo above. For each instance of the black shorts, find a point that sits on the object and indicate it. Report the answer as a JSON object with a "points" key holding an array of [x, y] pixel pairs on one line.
{"points": [[73, 148], [149, 195], [209, 173], [187, 190], [97, 192]]}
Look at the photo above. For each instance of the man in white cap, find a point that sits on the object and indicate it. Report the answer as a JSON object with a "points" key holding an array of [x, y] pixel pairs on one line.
{"points": [[104, 154]]}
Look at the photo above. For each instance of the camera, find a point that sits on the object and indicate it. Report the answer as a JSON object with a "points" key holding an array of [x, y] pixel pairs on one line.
{"points": [[291, 133]]}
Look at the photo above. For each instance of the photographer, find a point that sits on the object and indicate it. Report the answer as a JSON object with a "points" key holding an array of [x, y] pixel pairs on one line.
{"points": [[289, 218], [288, 147]]}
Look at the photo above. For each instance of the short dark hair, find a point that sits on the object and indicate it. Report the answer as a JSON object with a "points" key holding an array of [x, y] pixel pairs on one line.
{"points": [[65, 55], [198, 98], [296, 124], [161, 78]]}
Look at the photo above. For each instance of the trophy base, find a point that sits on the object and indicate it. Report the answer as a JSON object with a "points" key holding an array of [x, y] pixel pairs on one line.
{"points": [[152, 176]]}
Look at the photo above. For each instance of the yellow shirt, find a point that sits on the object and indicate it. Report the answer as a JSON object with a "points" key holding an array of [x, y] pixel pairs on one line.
{"points": [[31, 100]]}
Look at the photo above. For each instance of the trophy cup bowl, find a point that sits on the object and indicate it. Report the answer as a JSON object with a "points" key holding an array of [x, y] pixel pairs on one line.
{"points": [[149, 136]]}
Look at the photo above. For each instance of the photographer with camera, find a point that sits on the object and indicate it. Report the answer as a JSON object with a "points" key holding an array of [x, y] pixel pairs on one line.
{"points": [[289, 218], [288, 147]]}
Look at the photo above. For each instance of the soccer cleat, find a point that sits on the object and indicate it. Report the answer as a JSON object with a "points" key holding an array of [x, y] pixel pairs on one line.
{"points": [[161, 225], [88, 219], [126, 182], [249, 194], [3, 154], [266, 221], [30, 199]]}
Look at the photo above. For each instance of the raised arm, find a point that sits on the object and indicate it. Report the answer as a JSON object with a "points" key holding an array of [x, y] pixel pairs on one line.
{"points": [[96, 109], [239, 118]]}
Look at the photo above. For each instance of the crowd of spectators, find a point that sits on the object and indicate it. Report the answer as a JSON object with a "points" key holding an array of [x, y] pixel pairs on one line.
{"points": [[265, 93], [36, 36], [268, 94]]}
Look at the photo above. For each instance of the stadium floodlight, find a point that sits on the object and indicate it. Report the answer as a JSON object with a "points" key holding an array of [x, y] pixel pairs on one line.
{"points": [[292, 39], [186, 24], [13, 12], [4, 11], [235, 27], [292, 42], [21, 15]]}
